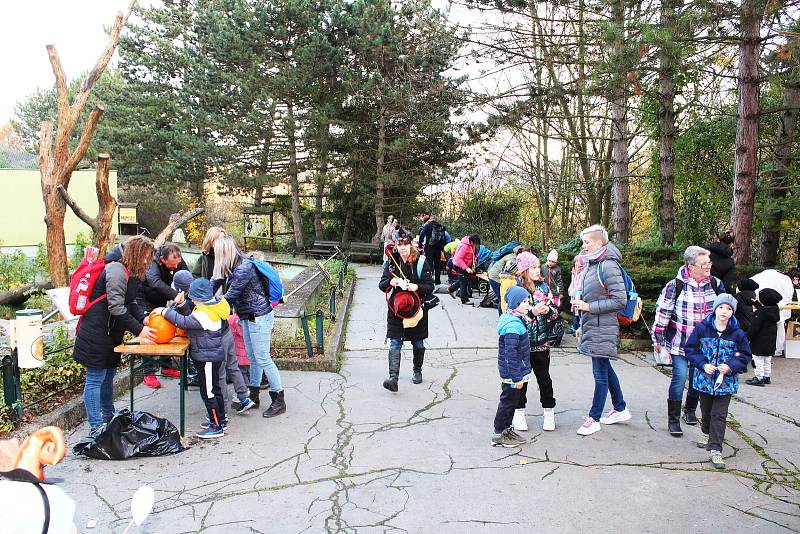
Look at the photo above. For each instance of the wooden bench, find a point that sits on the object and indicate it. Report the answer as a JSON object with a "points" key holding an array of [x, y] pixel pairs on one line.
{"points": [[322, 249], [371, 252]]}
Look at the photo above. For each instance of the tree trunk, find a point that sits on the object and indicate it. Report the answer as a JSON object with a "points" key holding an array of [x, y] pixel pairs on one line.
{"points": [[785, 136], [321, 179], [619, 133], [297, 222], [746, 155], [258, 195], [379, 174], [666, 121]]}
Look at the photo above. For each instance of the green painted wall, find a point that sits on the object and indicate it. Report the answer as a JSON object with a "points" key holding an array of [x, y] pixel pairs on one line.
{"points": [[22, 207]]}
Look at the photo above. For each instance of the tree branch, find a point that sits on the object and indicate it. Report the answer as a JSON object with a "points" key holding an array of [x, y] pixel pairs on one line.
{"points": [[83, 145], [82, 215], [15, 297], [100, 66], [65, 125], [175, 221]]}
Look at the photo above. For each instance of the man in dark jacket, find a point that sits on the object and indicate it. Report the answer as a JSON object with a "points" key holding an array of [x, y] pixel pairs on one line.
{"points": [[432, 241], [156, 291], [723, 265]]}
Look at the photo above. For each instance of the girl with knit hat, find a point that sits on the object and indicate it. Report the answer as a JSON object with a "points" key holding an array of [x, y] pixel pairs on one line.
{"points": [[576, 288], [720, 350], [763, 333], [541, 313]]}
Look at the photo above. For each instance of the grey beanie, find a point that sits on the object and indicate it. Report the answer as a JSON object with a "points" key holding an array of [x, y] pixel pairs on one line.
{"points": [[725, 298]]}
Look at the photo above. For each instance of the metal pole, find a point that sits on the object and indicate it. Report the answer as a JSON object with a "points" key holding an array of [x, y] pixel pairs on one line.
{"points": [[306, 334], [320, 331], [332, 304]]}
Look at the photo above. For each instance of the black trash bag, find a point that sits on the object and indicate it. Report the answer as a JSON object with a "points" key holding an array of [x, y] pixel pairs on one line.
{"points": [[131, 434], [555, 331]]}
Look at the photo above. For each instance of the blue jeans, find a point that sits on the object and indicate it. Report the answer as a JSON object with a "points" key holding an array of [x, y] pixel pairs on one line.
{"points": [[257, 337], [397, 344], [98, 395], [605, 382], [680, 371], [496, 288]]}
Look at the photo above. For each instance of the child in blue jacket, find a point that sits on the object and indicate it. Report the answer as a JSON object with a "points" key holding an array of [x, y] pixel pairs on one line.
{"points": [[514, 364], [204, 326], [720, 350]]}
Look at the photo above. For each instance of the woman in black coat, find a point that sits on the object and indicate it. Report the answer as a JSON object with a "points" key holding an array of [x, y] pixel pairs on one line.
{"points": [[406, 273], [105, 322]]}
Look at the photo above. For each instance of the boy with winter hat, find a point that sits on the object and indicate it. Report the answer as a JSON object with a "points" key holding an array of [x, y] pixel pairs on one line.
{"points": [[720, 350], [763, 333], [513, 362], [204, 326]]}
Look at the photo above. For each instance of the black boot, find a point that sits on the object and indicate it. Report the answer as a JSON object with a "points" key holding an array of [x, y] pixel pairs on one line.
{"points": [[674, 418], [264, 381], [254, 395], [394, 370], [689, 409], [278, 405], [419, 358]]}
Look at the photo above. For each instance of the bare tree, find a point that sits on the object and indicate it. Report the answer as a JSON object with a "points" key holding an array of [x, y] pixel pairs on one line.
{"points": [[56, 161]]}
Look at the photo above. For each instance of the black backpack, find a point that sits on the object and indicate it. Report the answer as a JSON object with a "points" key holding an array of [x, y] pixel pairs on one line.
{"points": [[436, 238]]}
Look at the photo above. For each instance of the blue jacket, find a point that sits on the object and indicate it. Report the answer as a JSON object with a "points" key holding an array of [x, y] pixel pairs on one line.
{"points": [[706, 346], [513, 349], [246, 291], [205, 328]]}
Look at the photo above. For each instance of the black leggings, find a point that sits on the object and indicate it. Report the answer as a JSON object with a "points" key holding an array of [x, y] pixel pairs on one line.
{"points": [[540, 362]]}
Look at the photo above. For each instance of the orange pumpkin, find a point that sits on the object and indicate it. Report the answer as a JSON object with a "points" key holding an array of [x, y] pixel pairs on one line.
{"points": [[165, 330]]}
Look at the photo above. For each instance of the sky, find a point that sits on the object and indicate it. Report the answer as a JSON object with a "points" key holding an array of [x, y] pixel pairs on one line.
{"points": [[76, 27]]}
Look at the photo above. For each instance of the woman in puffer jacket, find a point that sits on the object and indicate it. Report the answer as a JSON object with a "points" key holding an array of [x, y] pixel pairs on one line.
{"points": [[597, 336], [247, 293]]}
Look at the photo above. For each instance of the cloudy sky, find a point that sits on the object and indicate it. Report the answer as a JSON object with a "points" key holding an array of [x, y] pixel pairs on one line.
{"points": [[75, 27]]}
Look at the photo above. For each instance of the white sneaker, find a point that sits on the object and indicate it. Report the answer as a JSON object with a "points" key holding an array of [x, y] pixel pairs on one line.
{"points": [[519, 422], [614, 416], [549, 422], [589, 427]]}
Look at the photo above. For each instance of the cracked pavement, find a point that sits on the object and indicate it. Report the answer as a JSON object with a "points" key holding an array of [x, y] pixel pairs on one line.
{"points": [[351, 457]]}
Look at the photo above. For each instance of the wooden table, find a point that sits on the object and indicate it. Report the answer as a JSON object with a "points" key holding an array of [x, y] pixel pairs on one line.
{"points": [[792, 306], [179, 346]]}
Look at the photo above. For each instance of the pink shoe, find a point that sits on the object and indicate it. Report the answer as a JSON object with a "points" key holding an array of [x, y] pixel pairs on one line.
{"points": [[589, 427], [615, 417]]}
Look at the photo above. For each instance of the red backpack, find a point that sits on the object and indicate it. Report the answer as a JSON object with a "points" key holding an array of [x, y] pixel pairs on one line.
{"points": [[81, 285]]}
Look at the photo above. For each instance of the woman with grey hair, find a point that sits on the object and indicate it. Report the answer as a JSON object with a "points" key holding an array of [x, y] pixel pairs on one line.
{"points": [[602, 298], [683, 304]]}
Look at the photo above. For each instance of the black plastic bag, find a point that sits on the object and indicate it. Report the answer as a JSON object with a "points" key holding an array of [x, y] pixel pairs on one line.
{"points": [[555, 331], [489, 300], [131, 434]]}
